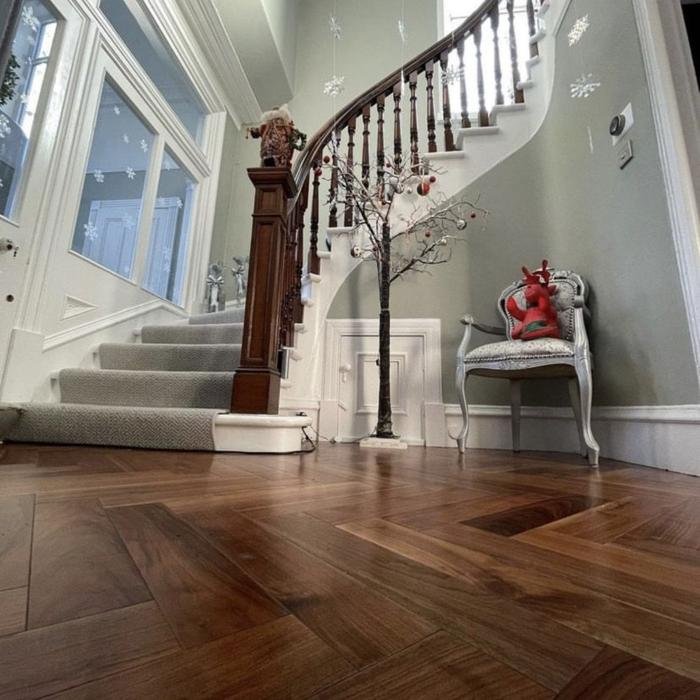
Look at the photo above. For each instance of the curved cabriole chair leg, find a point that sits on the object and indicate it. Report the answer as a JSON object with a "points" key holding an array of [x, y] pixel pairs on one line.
{"points": [[585, 385], [576, 406], [461, 393]]}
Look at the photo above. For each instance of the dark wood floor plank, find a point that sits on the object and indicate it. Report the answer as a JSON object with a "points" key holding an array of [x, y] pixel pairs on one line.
{"points": [[673, 533], [13, 611], [615, 675], [424, 518], [515, 520], [360, 624], [671, 643], [16, 516], [490, 622], [418, 497], [80, 566], [39, 662], [280, 659], [440, 668], [676, 574], [202, 594], [610, 520]]}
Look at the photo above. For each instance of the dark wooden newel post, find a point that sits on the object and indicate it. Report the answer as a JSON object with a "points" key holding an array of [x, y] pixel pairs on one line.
{"points": [[256, 385]]}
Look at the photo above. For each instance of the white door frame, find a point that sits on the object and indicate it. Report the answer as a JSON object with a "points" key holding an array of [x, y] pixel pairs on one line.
{"points": [[426, 328], [675, 148]]}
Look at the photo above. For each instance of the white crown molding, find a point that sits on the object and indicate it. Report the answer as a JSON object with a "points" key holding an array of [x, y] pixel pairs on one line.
{"points": [[205, 23], [675, 164]]}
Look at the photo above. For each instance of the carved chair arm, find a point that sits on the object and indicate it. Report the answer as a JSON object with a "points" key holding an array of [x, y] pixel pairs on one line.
{"points": [[469, 322]]}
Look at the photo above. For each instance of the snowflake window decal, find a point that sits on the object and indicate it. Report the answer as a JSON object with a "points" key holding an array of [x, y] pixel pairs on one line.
{"points": [[130, 173], [2, 183], [584, 86], [334, 86], [5, 129], [578, 30], [335, 27], [99, 176], [403, 33], [91, 232], [452, 75], [117, 111], [143, 145], [24, 98], [180, 203], [125, 138], [30, 19]]}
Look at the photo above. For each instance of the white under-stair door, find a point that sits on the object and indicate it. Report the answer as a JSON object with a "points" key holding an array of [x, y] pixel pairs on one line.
{"points": [[352, 379]]}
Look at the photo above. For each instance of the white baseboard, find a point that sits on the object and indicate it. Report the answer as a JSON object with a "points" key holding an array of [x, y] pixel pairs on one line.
{"points": [[665, 437]]}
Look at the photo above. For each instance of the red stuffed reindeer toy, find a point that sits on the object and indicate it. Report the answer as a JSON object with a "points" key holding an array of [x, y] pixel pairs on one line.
{"points": [[539, 319]]}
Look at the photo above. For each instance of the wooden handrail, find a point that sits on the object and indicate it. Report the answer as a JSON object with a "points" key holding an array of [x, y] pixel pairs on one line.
{"points": [[384, 88]]}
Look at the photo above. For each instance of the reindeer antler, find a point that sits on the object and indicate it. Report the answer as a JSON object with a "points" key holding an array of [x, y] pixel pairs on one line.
{"points": [[545, 274], [530, 277]]}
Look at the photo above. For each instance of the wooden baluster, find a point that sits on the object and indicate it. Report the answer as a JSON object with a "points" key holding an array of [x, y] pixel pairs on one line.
{"points": [[304, 203], [415, 159], [349, 182], [429, 73], [256, 382], [333, 210], [446, 110], [483, 113], [397, 126], [380, 145], [466, 124], [314, 262], [365, 145], [495, 23], [518, 95], [532, 28]]}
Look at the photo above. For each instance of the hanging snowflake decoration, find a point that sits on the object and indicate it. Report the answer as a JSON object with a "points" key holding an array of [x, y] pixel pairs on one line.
{"points": [[117, 111], [130, 173], [403, 33], [91, 232], [99, 176], [30, 19], [336, 29], [584, 86], [334, 86], [125, 138], [5, 129], [452, 75], [24, 98], [578, 30], [2, 183], [180, 203], [143, 145]]}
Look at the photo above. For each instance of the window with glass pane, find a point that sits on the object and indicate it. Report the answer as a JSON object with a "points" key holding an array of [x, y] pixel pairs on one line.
{"points": [[31, 49], [167, 250], [138, 33], [110, 206]]}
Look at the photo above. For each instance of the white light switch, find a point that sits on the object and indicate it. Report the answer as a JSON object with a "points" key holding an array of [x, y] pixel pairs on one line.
{"points": [[625, 154]]}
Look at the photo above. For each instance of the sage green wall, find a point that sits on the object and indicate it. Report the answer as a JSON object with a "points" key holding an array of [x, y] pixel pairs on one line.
{"points": [[559, 198]]}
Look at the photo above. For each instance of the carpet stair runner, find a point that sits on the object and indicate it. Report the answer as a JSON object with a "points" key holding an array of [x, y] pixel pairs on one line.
{"points": [[162, 393]]}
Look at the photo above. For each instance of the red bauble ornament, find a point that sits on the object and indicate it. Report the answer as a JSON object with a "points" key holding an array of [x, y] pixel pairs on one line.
{"points": [[472, 215], [318, 172], [428, 234], [423, 189], [326, 159], [433, 179]]}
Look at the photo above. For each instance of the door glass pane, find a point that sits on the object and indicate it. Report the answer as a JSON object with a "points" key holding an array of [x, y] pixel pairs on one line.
{"points": [[167, 250], [31, 49], [138, 33], [110, 206]]}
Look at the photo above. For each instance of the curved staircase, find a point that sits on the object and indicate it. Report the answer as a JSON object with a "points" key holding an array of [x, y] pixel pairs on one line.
{"points": [[179, 388]]}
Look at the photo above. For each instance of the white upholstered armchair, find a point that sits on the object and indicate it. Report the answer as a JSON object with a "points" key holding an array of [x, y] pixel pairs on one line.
{"points": [[542, 358]]}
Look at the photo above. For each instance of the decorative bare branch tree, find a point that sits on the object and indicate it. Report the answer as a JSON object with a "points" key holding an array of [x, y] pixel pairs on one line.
{"points": [[403, 224]]}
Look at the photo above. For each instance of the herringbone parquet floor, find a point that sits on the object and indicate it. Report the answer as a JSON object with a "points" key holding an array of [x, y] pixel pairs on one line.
{"points": [[345, 574]]}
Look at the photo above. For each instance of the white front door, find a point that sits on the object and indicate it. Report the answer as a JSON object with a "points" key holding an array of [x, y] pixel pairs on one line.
{"points": [[359, 386]]}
